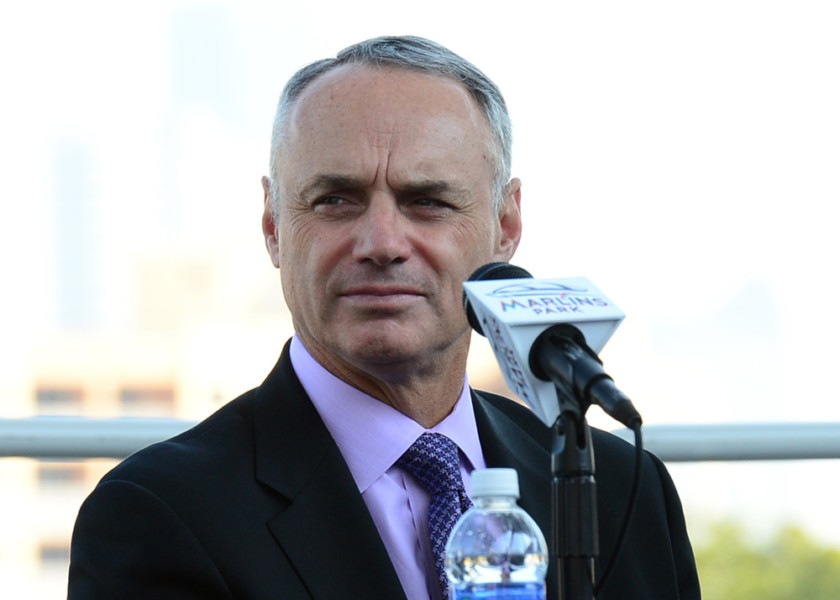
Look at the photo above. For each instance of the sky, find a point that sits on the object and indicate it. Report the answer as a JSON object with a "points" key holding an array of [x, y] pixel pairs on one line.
{"points": [[682, 156]]}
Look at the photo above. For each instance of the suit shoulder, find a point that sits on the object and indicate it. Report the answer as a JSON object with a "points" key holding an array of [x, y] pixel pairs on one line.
{"points": [[610, 446], [203, 448], [520, 414]]}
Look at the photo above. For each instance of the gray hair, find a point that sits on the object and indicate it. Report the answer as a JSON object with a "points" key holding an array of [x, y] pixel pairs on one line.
{"points": [[414, 54]]}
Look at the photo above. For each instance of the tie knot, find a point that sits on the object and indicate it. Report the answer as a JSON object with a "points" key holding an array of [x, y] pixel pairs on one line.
{"points": [[433, 460]]}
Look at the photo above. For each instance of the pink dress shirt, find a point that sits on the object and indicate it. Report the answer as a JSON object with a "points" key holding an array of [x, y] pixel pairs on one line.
{"points": [[371, 436]]}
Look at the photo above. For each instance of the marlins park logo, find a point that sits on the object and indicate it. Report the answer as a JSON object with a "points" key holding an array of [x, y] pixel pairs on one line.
{"points": [[545, 297]]}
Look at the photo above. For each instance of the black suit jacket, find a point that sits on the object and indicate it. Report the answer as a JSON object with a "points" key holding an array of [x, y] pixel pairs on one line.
{"points": [[256, 502]]}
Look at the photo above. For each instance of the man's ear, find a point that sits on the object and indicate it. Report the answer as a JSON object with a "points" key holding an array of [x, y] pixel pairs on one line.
{"points": [[269, 227], [510, 221]]}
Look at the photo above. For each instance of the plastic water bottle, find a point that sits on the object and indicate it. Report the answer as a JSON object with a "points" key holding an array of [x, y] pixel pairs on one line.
{"points": [[496, 550]]}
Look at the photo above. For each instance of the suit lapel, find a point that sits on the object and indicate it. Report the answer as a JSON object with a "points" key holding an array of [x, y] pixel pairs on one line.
{"points": [[505, 444], [325, 529]]}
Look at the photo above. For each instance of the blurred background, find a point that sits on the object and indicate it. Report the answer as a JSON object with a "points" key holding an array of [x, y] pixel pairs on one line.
{"points": [[683, 156]]}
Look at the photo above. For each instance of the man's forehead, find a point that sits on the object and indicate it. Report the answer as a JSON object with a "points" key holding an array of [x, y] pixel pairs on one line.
{"points": [[378, 94], [355, 115]]}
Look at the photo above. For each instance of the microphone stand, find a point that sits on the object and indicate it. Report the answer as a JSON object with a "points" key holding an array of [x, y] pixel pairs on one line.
{"points": [[560, 355], [573, 489], [574, 509]]}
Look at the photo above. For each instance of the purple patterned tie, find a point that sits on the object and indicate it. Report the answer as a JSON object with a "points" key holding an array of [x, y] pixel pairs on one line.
{"points": [[433, 460]]}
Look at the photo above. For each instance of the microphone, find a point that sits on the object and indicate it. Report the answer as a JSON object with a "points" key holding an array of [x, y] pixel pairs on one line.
{"points": [[543, 332]]}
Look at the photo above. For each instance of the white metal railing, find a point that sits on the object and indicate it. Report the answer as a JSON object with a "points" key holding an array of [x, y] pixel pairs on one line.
{"points": [[80, 437], [734, 441]]}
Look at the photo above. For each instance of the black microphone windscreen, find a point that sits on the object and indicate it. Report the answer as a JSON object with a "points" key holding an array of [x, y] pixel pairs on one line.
{"points": [[499, 270], [496, 270]]}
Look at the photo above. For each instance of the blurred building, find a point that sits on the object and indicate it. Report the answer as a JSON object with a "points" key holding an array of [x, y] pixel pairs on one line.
{"points": [[179, 361]]}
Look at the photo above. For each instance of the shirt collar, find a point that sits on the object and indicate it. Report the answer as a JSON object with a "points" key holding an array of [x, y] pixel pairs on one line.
{"points": [[370, 434]]}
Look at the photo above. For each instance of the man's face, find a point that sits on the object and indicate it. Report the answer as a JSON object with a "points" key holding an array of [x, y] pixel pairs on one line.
{"points": [[385, 190]]}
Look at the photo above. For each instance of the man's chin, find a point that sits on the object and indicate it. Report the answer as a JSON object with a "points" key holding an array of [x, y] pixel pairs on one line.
{"points": [[383, 350], [405, 351]]}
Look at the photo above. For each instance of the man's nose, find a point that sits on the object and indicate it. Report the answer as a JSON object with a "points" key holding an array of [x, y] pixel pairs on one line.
{"points": [[382, 234]]}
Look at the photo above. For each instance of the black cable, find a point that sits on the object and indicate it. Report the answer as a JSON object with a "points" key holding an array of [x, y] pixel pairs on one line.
{"points": [[628, 515]]}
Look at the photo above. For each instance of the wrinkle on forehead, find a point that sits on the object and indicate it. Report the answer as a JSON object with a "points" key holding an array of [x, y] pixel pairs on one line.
{"points": [[381, 139]]}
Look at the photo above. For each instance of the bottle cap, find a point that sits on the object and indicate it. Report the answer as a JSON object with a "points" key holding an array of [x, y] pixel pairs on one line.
{"points": [[495, 482]]}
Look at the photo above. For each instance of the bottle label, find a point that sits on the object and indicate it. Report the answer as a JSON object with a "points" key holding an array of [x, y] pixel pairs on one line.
{"points": [[492, 591]]}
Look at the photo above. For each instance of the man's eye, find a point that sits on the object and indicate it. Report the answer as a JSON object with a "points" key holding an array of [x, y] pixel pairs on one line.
{"points": [[431, 203], [332, 204], [329, 201], [336, 207]]}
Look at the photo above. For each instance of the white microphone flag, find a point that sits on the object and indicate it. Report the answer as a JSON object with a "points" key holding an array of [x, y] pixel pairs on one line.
{"points": [[514, 312]]}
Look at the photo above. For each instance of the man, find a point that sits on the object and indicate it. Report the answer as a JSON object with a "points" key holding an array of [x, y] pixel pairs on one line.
{"points": [[389, 184]]}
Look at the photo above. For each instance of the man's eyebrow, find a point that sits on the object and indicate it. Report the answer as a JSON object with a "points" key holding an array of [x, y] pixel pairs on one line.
{"points": [[330, 182], [428, 188]]}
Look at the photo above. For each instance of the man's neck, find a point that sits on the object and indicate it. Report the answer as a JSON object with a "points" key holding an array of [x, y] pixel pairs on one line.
{"points": [[425, 393]]}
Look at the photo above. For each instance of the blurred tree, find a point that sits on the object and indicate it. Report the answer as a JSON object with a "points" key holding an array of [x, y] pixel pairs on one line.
{"points": [[791, 566]]}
